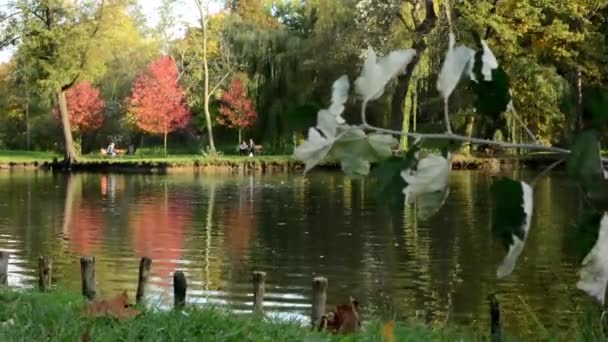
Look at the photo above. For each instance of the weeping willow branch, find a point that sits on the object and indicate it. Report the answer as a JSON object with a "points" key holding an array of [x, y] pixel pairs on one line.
{"points": [[522, 123]]}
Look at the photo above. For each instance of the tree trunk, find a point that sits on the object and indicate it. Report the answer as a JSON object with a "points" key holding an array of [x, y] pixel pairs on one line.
{"points": [[579, 100], [405, 126], [200, 4], [27, 125], [70, 154], [469, 132], [165, 142], [240, 136], [403, 81]]}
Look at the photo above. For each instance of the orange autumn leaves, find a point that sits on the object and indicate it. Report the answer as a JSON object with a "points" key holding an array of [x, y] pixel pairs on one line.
{"points": [[116, 307], [345, 319]]}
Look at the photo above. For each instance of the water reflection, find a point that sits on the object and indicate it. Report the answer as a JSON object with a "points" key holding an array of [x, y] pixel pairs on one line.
{"points": [[218, 229]]}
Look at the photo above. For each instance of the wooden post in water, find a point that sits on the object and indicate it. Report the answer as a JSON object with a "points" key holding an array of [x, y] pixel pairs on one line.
{"points": [[144, 273], [319, 299], [495, 328], [4, 256], [45, 268], [179, 289], [87, 272], [259, 281]]}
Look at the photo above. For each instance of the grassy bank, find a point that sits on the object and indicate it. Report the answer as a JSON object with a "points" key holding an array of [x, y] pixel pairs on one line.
{"points": [[150, 162], [34, 316], [29, 157], [59, 316]]}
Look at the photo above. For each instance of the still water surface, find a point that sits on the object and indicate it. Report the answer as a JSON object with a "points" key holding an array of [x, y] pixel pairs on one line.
{"points": [[219, 228]]}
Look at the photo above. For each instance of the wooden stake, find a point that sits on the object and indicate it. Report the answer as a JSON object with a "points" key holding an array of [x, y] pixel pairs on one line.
{"points": [[87, 272], [144, 273], [259, 280], [45, 268], [179, 289], [319, 299], [495, 327], [4, 256]]}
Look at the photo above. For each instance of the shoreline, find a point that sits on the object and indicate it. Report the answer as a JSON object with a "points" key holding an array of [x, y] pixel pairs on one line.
{"points": [[261, 164]]}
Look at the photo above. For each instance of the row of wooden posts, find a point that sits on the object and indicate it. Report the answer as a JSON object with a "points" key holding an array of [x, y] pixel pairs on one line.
{"points": [[180, 284]]}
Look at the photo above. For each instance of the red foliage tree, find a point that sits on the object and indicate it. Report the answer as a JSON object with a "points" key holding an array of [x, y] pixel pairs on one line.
{"points": [[236, 110], [158, 102], [85, 107]]}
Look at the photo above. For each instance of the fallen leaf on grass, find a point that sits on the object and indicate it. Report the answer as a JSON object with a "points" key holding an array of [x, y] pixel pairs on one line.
{"points": [[116, 307], [388, 334], [344, 319]]}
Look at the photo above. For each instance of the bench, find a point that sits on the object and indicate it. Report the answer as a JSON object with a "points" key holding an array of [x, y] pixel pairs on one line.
{"points": [[119, 152]]}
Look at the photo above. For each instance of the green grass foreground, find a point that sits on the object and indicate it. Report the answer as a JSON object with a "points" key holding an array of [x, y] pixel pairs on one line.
{"points": [[57, 316]]}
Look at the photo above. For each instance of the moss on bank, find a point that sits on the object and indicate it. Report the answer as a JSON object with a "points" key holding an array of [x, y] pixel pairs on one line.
{"points": [[34, 316]]}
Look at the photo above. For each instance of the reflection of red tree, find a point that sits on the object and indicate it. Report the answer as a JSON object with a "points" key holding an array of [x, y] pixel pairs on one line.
{"points": [[85, 228], [159, 225], [110, 184]]}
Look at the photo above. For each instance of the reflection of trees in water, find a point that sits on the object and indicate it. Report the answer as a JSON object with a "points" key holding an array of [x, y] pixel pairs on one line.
{"points": [[238, 222], [159, 222], [83, 220], [111, 185]]}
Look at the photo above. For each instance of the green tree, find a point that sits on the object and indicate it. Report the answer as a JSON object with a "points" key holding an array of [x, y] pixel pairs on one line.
{"points": [[58, 39]]}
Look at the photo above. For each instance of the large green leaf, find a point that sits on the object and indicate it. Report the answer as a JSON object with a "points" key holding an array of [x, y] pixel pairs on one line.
{"points": [[508, 216], [428, 204], [584, 233], [492, 97], [388, 183], [596, 106], [512, 216], [585, 161]]}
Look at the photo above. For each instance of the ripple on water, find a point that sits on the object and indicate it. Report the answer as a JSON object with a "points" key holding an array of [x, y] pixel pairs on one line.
{"points": [[219, 229]]}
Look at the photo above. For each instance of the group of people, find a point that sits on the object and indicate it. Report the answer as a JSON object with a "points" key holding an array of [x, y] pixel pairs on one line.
{"points": [[247, 149]]}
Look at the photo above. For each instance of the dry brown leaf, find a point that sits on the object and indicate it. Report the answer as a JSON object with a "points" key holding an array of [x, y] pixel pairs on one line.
{"points": [[388, 332], [116, 307], [344, 319]]}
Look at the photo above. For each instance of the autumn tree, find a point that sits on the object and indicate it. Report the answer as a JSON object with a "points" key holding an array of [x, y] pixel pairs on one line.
{"points": [[236, 110], [158, 103], [85, 107]]}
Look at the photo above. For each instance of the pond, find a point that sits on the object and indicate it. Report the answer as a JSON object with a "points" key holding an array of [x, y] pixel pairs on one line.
{"points": [[218, 228]]}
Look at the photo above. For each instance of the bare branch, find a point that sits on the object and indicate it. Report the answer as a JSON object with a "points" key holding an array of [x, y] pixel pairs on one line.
{"points": [[219, 83], [457, 137], [522, 123]]}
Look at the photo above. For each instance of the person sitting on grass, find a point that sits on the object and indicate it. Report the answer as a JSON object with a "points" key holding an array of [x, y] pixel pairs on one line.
{"points": [[251, 147], [243, 148], [111, 151]]}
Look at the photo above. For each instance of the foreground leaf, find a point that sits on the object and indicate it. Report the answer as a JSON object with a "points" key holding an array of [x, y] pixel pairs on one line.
{"points": [[594, 272], [585, 161], [456, 60], [339, 97], [388, 186], [428, 204], [596, 106], [512, 216], [388, 332], [377, 72], [431, 175], [115, 307], [314, 149]]}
